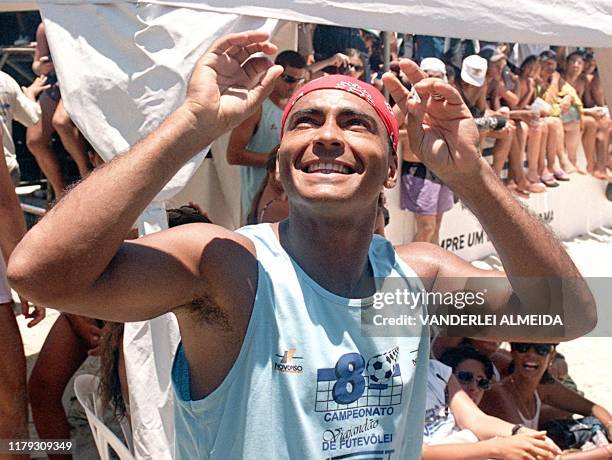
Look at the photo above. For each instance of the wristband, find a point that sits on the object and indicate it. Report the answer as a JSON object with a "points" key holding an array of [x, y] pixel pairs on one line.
{"points": [[516, 428]]}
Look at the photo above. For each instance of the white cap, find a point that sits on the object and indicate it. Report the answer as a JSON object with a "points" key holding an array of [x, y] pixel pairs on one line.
{"points": [[433, 64], [474, 70]]}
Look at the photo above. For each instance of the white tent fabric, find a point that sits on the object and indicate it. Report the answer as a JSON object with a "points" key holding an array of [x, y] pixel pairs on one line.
{"points": [[123, 68]]}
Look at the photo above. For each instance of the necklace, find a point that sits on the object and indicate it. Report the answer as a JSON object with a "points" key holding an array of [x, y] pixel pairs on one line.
{"points": [[521, 407]]}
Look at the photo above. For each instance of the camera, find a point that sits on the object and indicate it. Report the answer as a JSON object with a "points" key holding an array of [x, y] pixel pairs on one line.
{"points": [[494, 123]]}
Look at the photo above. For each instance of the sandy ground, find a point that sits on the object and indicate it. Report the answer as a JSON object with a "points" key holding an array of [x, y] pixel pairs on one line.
{"points": [[588, 357]]}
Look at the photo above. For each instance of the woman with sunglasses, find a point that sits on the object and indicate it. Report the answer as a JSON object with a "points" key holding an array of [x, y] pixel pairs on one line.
{"points": [[473, 370], [356, 64], [519, 397], [455, 428]]}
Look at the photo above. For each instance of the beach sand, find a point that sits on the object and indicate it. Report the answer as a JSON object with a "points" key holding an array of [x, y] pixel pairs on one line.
{"points": [[588, 358]]}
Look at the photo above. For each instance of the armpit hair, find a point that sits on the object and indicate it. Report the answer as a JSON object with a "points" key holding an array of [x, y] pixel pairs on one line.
{"points": [[204, 310]]}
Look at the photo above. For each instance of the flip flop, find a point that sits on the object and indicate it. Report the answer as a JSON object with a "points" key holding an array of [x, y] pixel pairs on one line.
{"points": [[534, 187], [514, 189], [561, 175], [549, 180]]}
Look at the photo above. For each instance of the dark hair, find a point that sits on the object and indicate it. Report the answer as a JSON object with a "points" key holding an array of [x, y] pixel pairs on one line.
{"points": [[548, 55], [186, 215], [252, 217], [580, 54], [454, 356], [110, 384], [352, 52], [290, 58], [546, 377], [533, 59]]}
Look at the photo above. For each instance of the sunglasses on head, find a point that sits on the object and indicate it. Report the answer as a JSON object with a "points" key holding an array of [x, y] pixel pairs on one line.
{"points": [[468, 377], [541, 349], [291, 80]]}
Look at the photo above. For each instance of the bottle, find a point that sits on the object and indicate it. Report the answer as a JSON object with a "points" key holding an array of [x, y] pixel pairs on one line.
{"points": [[599, 437]]}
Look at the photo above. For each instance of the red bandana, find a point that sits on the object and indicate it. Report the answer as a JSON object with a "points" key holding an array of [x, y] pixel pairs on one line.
{"points": [[351, 85]]}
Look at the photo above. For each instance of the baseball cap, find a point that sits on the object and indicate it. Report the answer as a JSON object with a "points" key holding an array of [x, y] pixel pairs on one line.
{"points": [[491, 53], [433, 64], [474, 70]]}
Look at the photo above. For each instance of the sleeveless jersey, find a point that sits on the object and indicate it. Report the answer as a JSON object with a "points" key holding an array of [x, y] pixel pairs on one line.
{"points": [[307, 384], [263, 141]]}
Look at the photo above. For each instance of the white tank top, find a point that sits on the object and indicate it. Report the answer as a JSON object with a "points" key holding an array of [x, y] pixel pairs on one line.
{"points": [[533, 422]]}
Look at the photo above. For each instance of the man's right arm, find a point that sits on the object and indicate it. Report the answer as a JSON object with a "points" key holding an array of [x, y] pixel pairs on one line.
{"points": [[76, 259], [237, 152]]}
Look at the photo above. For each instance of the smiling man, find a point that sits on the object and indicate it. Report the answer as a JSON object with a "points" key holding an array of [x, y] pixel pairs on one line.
{"points": [[273, 362]]}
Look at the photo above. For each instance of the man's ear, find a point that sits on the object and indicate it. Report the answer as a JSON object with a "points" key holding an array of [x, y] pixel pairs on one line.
{"points": [[393, 170], [277, 170]]}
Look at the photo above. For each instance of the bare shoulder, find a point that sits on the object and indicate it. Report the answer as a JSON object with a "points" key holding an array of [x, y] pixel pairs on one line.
{"points": [[181, 266], [218, 255], [423, 258], [494, 401]]}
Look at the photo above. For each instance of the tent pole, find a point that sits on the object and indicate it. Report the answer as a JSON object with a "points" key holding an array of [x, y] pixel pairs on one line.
{"points": [[386, 56]]}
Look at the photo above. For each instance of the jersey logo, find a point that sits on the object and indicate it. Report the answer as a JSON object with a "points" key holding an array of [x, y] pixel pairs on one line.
{"points": [[288, 362], [354, 382]]}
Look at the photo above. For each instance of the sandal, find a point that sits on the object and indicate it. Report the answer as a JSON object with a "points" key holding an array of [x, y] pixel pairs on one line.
{"points": [[549, 180], [561, 175], [517, 191]]}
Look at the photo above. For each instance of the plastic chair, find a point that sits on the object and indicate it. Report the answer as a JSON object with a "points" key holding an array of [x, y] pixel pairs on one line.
{"points": [[86, 390]]}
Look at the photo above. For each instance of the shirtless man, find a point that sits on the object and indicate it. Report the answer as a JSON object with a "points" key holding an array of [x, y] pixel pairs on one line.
{"points": [[272, 351]]}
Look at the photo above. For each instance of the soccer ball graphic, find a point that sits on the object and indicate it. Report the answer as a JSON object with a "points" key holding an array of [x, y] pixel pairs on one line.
{"points": [[380, 368]]}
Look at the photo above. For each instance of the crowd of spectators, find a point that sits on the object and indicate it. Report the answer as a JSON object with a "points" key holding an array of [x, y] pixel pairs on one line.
{"points": [[533, 111]]}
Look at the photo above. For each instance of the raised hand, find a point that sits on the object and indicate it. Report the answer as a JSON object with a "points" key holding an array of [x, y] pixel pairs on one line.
{"points": [[229, 83], [38, 86], [35, 316], [441, 129]]}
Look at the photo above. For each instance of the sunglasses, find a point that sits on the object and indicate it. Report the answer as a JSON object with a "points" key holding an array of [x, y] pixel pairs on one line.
{"points": [[334, 70], [541, 349], [356, 67], [291, 80], [468, 377]]}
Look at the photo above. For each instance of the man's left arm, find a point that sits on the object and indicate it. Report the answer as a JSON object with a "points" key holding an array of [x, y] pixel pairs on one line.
{"points": [[539, 274]]}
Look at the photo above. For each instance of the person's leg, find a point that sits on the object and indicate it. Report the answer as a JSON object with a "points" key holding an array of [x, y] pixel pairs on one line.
{"points": [[557, 137], [435, 239], [13, 396], [601, 147], [72, 139], [516, 170], [572, 142], [60, 357], [589, 133], [534, 136], [37, 140], [425, 227], [542, 167], [501, 149]]}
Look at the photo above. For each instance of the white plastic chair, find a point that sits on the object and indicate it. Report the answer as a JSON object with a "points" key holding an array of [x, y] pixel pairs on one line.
{"points": [[86, 390]]}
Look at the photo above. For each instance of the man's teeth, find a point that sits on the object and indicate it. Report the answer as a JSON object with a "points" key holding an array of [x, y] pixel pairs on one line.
{"points": [[530, 365], [328, 168]]}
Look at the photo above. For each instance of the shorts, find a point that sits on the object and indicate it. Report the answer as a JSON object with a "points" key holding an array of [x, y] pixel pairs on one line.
{"points": [[54, 90], [572, 115], [15, 174], [5, 289], [421, 192]]}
